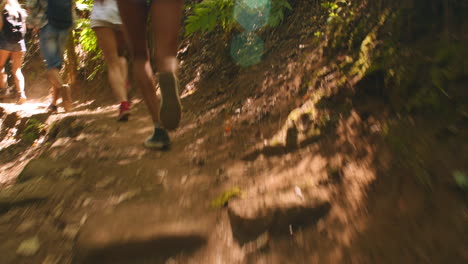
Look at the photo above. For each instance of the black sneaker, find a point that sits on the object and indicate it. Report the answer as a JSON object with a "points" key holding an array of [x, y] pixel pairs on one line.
{"points": [[171, 108], [52, 109], [159, 140]]}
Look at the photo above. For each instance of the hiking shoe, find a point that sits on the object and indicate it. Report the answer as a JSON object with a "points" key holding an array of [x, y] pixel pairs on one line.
{"points": [[171, 108], [66, 97], [124, 111], [159, 139], [52, 109]]}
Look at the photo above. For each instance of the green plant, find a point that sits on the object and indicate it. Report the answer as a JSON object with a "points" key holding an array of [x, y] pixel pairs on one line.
{"points": [[225, 197], [336, 9], [209, 14], [461, 179], [34, 129], [277, 12], [87, 38]]}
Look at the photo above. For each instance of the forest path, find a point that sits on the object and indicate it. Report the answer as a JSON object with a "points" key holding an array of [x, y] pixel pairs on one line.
{"points": [[88, 190]]}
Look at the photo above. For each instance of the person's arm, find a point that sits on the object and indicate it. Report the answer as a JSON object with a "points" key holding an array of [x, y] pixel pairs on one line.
{"points": [[32, 11], [24, 17]]}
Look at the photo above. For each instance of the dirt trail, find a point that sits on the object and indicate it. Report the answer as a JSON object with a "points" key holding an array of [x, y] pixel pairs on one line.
{"points": [[89, 163], [94, 194]]}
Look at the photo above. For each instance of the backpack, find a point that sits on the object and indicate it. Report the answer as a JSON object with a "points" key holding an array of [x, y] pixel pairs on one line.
{"points": [[59, 13], [12, 27]]}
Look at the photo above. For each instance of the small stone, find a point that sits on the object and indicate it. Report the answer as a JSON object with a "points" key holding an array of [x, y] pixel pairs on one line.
{"points": [[25, 226], [183, 180], [28, 247], [105, 182], [61, 142], [161, 173], [83, 219], [81, 137], [86, 202], [71, 172], [71, 231], [128, 195], [298, 192]]}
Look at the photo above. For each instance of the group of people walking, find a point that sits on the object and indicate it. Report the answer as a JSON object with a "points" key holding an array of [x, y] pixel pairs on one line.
{"points": [[118, 24]]}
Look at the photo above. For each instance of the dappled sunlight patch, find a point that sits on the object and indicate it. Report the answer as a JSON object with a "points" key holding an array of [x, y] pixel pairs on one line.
{"points": [[192, 86], [84, 105], [27, 109], [145, 131], [302, 125]]}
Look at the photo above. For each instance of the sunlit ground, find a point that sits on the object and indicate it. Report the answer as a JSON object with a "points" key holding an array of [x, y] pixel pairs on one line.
{"points": [[29, 109]]}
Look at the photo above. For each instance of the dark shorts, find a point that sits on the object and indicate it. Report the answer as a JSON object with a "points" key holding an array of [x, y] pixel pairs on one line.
{"points": [[52, 42], [9, 46]]}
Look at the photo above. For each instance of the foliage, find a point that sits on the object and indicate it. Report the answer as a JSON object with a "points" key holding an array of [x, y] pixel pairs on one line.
{"points": [[461, 179], [209, 14], [87, 38], [34, 129], [225, 197], [337, 10], [277, 12], [402, 43]]}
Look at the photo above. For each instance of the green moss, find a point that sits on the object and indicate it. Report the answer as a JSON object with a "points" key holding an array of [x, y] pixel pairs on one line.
{"points": [[223, 199], [34, 129]]}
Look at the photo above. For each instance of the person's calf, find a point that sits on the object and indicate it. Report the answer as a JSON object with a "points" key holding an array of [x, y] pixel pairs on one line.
{"points": [[171, 108], [53, 75]]}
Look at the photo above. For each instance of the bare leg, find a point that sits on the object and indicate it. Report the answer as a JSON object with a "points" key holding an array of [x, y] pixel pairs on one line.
{"points": [[17, 61], [122, 46], [3, 77], [53, 75], [134, 16], [166, 19], [107, 41]]}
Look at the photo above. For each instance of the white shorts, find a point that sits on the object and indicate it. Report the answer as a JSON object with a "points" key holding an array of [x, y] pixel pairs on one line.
{"points": [[101, 23]]}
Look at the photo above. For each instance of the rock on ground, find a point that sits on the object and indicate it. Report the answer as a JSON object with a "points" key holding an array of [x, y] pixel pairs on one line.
{"points": [[40, 167], [29, 247], [139, 232], [273, 213], [30, 191]]}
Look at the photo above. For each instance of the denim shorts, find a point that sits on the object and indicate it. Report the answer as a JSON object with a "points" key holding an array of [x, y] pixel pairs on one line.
{"points": [[52, 42]]}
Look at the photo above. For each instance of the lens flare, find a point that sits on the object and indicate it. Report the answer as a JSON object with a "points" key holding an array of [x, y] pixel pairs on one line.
{"points": [[247, 49], [252, 14]]}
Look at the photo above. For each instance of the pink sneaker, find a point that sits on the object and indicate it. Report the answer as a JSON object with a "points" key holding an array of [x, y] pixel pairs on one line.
{"points": [[124, 111]]}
